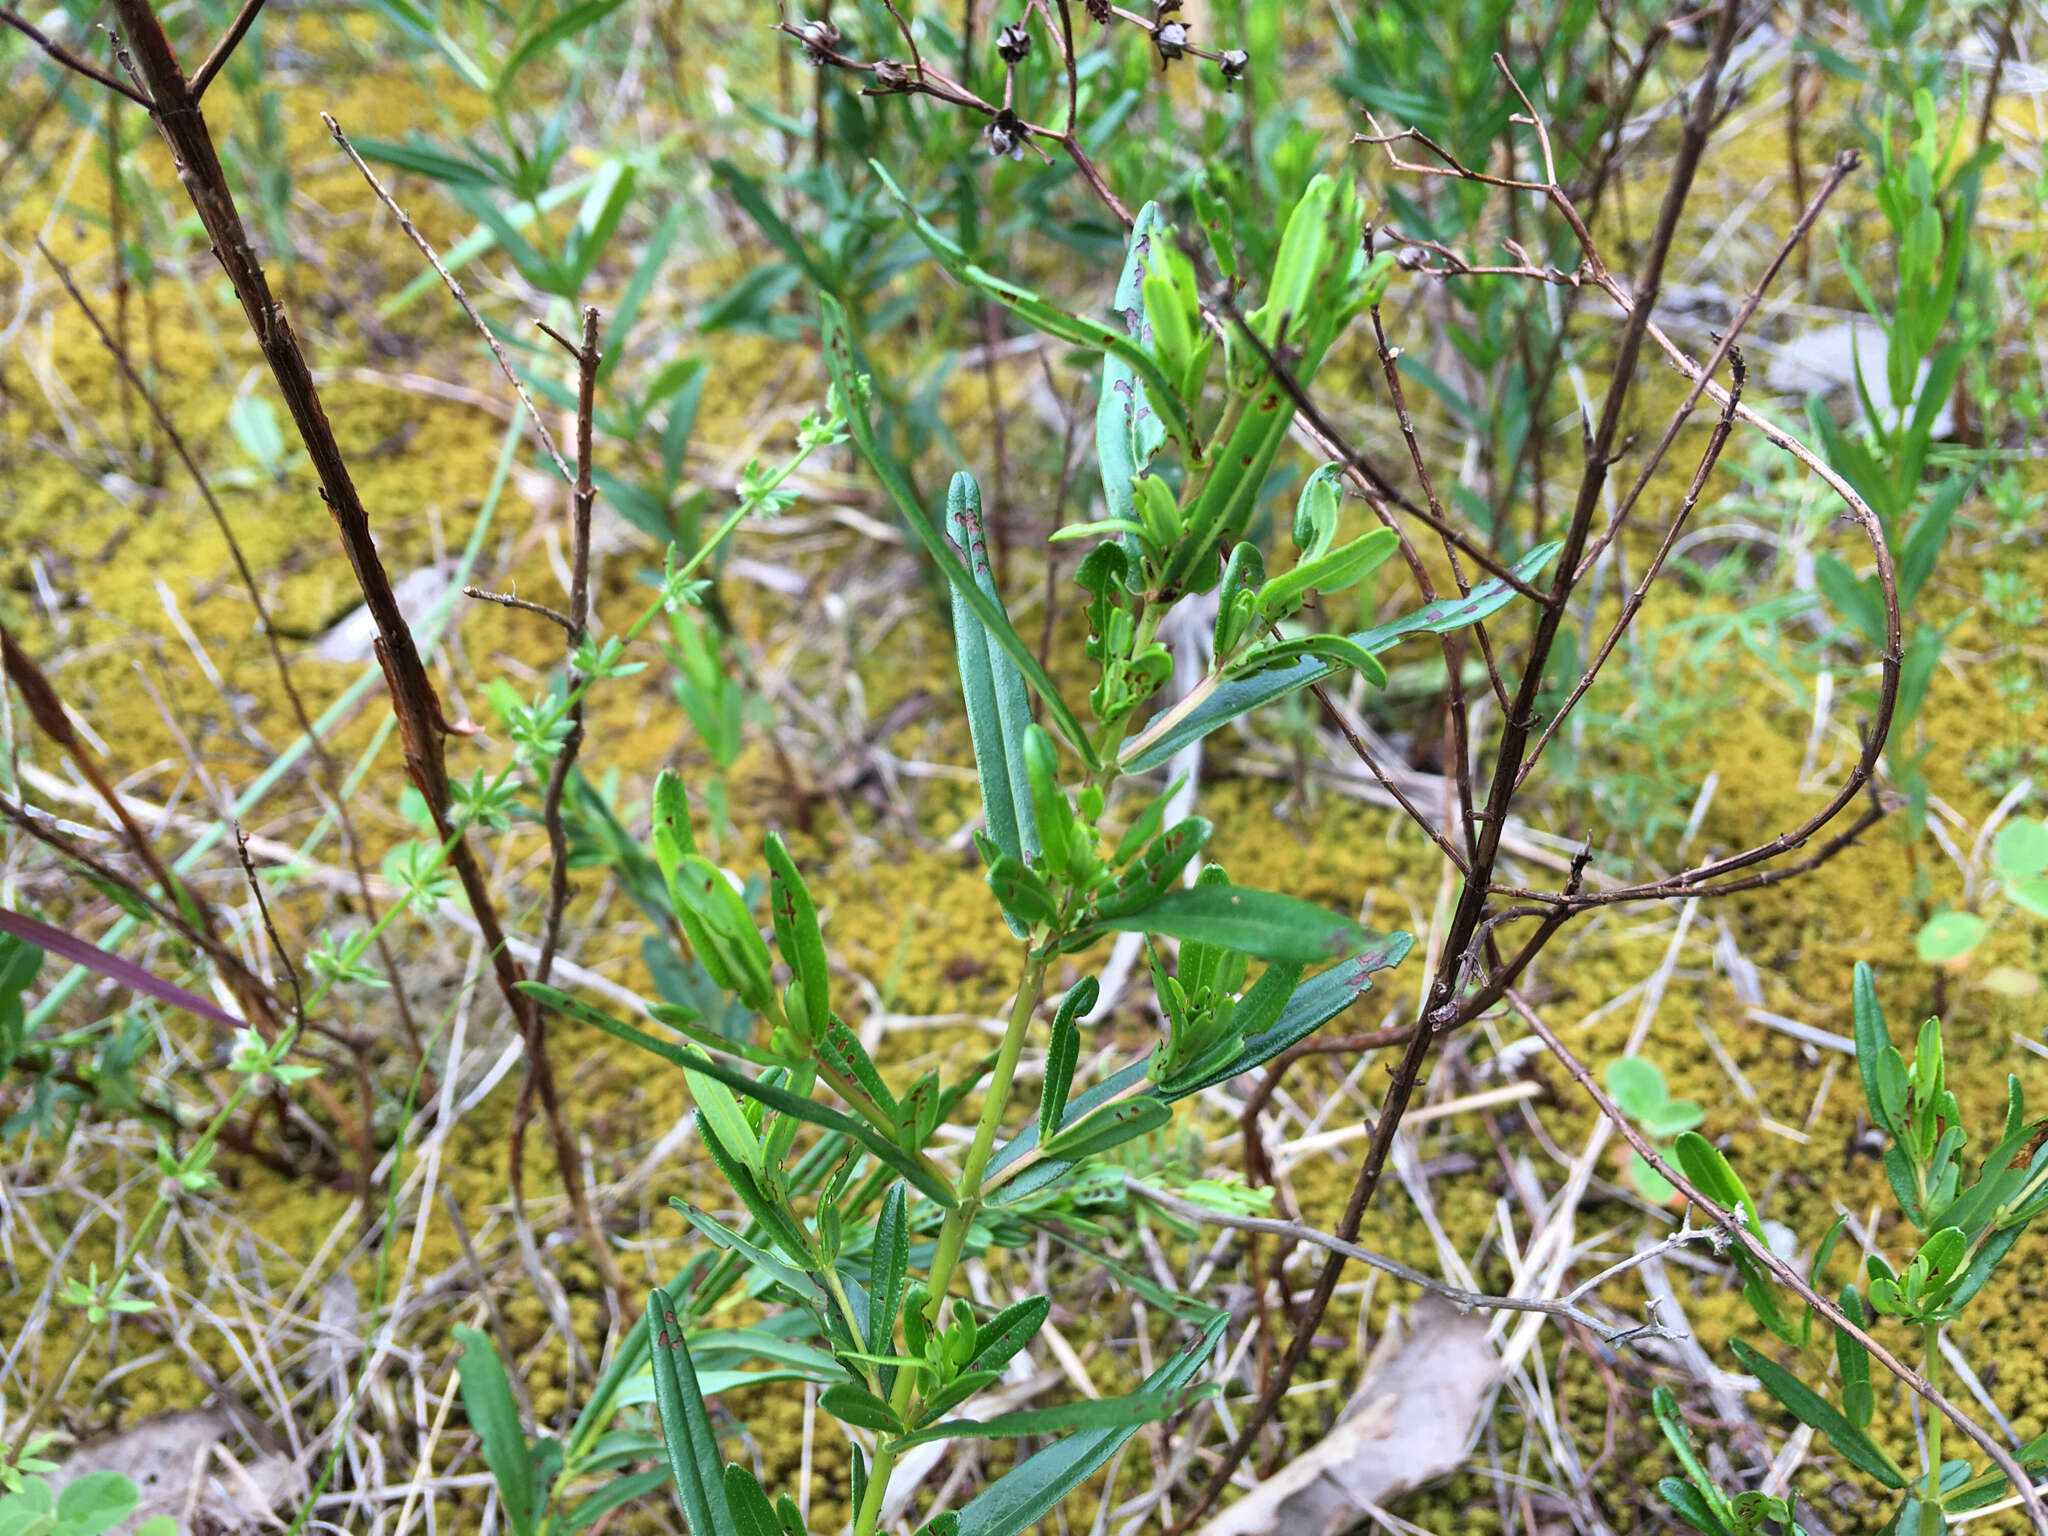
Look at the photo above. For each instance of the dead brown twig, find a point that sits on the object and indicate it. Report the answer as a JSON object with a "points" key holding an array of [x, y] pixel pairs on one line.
{"points": [[540, 1075]]}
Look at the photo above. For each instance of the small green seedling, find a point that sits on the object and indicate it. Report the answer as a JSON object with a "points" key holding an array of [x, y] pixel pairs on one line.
{"points": [[2018, 878], [1638, 1087]]}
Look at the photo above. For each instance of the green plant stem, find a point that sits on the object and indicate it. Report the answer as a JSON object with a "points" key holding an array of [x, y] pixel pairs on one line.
{"points": [[1930, 1367], [953, 1234]]}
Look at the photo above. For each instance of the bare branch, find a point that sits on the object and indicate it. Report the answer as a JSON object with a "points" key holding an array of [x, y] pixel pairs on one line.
{"points": [[245, 18], [72, 61]]}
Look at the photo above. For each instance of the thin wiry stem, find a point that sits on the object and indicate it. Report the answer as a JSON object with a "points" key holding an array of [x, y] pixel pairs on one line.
{"points": [[70, 60], [540, 426], [1565, 1308]]}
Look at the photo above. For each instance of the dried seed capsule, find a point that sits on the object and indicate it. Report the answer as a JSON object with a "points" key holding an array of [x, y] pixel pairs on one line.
{"points": [[1013, 43], [818, 39], [1005, 134]]}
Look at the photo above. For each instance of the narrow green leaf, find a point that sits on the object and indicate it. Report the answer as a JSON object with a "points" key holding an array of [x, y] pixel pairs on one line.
{"points": [[616, 1494], [998, 742], [1689, 1506], [774, 1265], [962, 1387], [1872, 1038], [997, 1341], [1263, 924], [840, 1048], [847, 381], [1128, 432], [1063, 1053], [752, 1514], [1021, 1496], [1334, 572], [989, 684], [1809, 1407], [1341, 652], [685, 1426], [860, 1407], [1858, 1400], [1075, 330], [731, 1345], [494, 1415], [722, 1113], [1711, 1174], [891, 1261], [1110, 1126], [797, 934], [565, 26], [922, 1176], [1229, 700], [1104, 1413], [747, 192], [1153, 873]]}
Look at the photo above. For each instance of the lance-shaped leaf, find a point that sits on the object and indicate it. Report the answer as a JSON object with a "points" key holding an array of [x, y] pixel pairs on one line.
{"points": [[754, 201], [857, 1405], [997, 1341], [1334, 572], [1110, 1126], [998, 709], [1809, 1407], [798, 936], [1128, 431], [66, 946], [1046, 319], [1103, 1413], [851, 389], [774, 1266], [890, 1263], [487, 1399], [840, 1049], [1016, 1501], [1873, 1039], [752, 1514], [1063, 1052], [923, 1177], [685, 1426], [1263, 924], [1204, 712], [1223, 508]]}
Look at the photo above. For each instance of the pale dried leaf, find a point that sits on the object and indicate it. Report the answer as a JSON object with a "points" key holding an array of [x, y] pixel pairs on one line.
{"points": [[1410, 1423]]}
